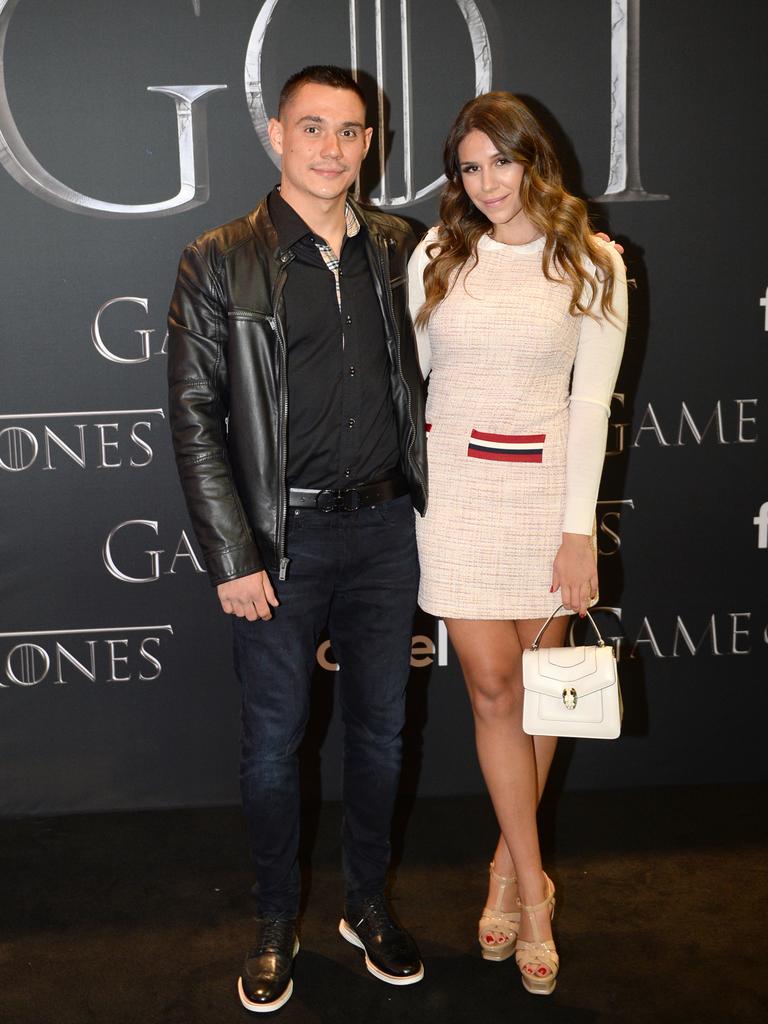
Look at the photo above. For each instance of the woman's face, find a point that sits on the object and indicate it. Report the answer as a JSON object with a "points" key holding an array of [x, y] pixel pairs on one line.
{"points": [[492, 182]]}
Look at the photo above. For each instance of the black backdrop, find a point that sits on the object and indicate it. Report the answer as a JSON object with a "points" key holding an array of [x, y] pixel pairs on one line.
{"points": [[116, 687]]}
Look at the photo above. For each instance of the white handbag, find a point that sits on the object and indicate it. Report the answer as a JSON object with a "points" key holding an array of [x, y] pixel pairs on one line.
{"points": [[571, 691]]}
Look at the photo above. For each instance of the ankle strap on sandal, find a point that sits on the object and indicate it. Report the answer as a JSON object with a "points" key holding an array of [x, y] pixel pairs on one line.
{"points": [[532, 908], [506, 879]]}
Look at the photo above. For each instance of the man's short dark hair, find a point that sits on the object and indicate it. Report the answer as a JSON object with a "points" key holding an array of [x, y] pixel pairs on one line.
{"points": [[318, 74]]}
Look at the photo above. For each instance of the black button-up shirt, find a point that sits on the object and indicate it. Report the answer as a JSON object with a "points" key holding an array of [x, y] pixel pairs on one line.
{"points": [[341, 418]]}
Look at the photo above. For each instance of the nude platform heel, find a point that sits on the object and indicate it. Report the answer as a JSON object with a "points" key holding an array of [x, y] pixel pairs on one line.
{"points": [[540, 955], [496, 921]]}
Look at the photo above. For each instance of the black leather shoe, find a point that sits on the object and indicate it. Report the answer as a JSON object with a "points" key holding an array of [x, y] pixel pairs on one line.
{"points": [[266, 982], [390, 952]]}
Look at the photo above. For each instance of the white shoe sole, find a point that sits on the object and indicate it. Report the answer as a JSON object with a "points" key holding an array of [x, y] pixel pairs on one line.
{"points": [[497, 956], [276, 1003], [391, 979], [541, 990]]}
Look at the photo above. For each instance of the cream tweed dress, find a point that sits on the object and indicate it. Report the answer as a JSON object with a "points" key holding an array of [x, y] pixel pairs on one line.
{"points": [[515, 445]]}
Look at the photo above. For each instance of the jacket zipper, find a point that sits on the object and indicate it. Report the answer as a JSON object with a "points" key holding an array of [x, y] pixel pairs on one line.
{"points": [[274, 323], [390, 308]]}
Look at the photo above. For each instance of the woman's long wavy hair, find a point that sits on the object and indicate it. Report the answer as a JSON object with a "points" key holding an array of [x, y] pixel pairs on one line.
{"points": [[561, 217]]}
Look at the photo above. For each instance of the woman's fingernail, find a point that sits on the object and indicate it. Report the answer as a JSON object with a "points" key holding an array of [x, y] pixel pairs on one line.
{"points": [[551, 590], [581, 615]]}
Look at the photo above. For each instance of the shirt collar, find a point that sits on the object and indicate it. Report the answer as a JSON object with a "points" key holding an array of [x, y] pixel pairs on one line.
{"points": [[353, 224], [291, 228]]}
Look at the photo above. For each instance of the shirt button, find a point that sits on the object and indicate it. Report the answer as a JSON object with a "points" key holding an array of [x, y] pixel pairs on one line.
{"points": [[348, 321], [347, 471], [350, 422], [351, 371]]}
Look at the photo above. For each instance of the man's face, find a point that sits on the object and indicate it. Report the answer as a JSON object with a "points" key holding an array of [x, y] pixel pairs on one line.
{"points": [[322, 139]]}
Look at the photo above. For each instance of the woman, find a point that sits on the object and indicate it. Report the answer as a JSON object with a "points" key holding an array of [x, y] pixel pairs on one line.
{"points": [[521, 315]]}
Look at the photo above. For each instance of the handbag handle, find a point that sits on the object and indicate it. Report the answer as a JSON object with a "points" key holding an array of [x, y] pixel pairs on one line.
{"points": [[535, 644]]}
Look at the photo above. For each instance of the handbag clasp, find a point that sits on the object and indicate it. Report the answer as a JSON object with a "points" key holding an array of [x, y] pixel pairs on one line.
{"points": [[570, 698]]}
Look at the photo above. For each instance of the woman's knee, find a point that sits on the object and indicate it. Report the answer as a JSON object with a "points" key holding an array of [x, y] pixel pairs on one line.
{"points": [[495, 695]]}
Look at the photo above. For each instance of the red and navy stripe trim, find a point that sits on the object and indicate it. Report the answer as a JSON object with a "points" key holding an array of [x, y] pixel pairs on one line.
{"points": [[506, 447]]}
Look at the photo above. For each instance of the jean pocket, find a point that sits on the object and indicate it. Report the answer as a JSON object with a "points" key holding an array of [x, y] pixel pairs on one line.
{"points": [[391, 513], [296, 520]]}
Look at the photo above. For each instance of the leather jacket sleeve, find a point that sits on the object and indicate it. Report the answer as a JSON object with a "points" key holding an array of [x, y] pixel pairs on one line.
{"points": [[198, 407]]}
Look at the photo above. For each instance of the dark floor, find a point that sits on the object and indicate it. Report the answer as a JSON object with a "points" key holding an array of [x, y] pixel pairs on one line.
{"points": [[143, 918]]}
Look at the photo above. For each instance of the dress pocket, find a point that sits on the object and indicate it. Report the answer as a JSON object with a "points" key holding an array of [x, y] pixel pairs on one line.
{"points": [[506, 447]]}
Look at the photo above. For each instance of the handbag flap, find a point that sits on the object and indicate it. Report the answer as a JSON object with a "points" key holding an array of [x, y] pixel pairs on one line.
{"points": [[586, 669]]}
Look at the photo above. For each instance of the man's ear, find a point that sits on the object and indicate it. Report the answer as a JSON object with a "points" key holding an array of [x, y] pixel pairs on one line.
{"points": [[368, 137], [275, 132]]}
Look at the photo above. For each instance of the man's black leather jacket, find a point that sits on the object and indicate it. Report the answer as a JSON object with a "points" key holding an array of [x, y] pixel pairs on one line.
{"points": [[228, 397]]}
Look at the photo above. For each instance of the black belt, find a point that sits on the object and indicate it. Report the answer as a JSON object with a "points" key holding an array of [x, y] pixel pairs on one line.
{"points": [[349, 499]]}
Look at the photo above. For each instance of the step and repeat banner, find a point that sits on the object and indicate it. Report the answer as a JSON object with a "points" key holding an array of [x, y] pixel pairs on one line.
{"points": [[128, 128]]}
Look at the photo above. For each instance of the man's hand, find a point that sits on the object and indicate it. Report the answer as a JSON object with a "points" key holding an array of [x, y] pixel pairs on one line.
{"points": [[250, 597]]}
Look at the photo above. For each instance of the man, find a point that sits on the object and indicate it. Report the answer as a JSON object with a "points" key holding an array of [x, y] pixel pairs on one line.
{"points": [[297, 415]]}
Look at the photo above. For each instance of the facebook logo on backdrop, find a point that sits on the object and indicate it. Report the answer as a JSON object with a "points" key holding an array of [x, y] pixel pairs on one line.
{"points": [[761, 522]]}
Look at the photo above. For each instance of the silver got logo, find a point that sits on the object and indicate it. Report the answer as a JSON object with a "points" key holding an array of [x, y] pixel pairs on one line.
{"points": [[190, 101], [481, 51]]}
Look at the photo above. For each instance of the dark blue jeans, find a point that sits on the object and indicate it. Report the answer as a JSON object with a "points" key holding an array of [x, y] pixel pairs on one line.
{"points": [[356, 573]]}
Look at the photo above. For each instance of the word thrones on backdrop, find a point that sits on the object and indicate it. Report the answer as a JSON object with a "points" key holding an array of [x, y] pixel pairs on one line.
{"points": [[120, 654], [101, 439]]}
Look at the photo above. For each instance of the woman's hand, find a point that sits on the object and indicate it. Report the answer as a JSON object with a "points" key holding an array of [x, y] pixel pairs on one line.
{"points": [[574, 572]]}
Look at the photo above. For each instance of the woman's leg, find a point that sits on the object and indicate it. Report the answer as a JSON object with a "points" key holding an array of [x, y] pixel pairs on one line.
{"points": [[544, 748], [513, 766], [543, 753]]}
